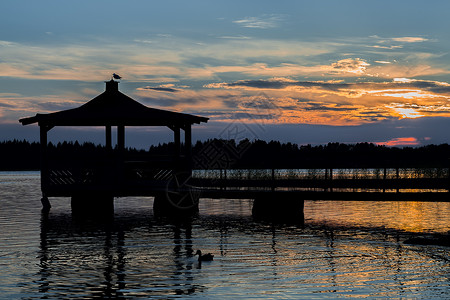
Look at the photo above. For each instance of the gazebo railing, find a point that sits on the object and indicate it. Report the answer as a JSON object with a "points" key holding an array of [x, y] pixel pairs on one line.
{"points": [[111, 174]]}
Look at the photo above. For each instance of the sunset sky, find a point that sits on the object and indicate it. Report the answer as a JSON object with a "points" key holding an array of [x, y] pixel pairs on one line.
{"points": [[308, 72]]}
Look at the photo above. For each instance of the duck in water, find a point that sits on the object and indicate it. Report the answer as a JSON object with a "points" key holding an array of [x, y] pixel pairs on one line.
{"points": [[204, 257]]}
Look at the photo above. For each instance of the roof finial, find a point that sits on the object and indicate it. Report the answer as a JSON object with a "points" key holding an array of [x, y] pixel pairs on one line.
{"points": [[116, 76], [112, 85]]}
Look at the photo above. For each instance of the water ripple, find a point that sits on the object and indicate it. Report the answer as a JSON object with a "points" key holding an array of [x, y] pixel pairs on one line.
{"points": [[348, 249]]}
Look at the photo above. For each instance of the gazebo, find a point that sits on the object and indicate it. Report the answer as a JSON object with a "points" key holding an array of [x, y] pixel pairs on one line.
{"points": [[113, 174]]}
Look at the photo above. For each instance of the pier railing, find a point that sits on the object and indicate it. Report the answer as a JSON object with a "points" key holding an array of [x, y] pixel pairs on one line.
{"points": [[329, 180], [122, 176]]}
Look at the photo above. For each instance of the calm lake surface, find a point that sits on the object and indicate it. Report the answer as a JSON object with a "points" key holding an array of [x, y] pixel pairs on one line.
{"points": [[344, 250]]}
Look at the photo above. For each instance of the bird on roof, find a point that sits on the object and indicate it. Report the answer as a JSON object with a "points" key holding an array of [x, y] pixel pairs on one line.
{"points": [[204, 257], [116, 76]]}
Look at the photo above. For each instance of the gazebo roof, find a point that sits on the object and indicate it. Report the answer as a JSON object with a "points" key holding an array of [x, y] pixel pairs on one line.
{"points": [[113, 108]]}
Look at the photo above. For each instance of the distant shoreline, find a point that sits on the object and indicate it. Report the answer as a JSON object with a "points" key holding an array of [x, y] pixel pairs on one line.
{"points": [[244, 154]]}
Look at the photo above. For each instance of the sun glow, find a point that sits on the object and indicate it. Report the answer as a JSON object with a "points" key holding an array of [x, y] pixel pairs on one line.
{"points": [[404, 80], [403, 141], [404, 112]]}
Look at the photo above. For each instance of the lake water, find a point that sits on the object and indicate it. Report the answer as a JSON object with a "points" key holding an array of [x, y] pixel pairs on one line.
{"points": [[344, 250]]}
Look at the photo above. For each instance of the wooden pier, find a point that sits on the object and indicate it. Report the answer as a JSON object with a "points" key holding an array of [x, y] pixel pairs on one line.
{"points": [[322, 186], [93, 180], [163, 178], [178, 193], [152, 176]]}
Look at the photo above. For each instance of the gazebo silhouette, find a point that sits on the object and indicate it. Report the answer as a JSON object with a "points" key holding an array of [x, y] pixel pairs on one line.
{"points": [[93, 182]]}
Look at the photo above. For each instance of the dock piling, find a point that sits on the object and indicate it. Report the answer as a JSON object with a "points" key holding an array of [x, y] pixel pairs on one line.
{"points": [[93, 204], [272, 207], [45, 204]]}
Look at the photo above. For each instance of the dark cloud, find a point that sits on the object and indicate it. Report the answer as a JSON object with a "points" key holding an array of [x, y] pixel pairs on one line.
{"points": [[259, 104], [6, 105], [212, 113], [244, 115], [262, 84], [160, 102], [226, 96], [441, 90], [303, 104], [161, 89], [170, 102], [303, 100], [372, 113], [279, 84], [320, 107], [432, 86], [444, 111], [228, 100], [231, 103], [167, 100]]}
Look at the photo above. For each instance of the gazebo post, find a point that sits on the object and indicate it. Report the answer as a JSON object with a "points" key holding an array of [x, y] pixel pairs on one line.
{"points": [[43, 141], [188, 146], [107, 169], [121, 138], [121, 152], [108, 136], [177, 142], [43, 129]]}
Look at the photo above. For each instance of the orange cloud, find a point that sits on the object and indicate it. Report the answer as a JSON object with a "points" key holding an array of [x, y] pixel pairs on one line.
{"points": [[410, 39], [340, 103], [349, 65], [403, 141]]}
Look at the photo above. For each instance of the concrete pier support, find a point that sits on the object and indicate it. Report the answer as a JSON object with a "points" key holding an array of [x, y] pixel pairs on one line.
{"points": [[279, 209], [93, 205], [175, 206], [45, 204]]}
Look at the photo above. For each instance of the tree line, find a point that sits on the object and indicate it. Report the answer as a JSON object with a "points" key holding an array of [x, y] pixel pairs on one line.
{"points": [[218, 153], [274, 154]]}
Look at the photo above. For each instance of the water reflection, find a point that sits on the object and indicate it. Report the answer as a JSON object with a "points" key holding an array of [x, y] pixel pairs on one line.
{"points": [[183, 259], [112, 260], [136, 256], [69, 249], [408, 216], [345, 249]]}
